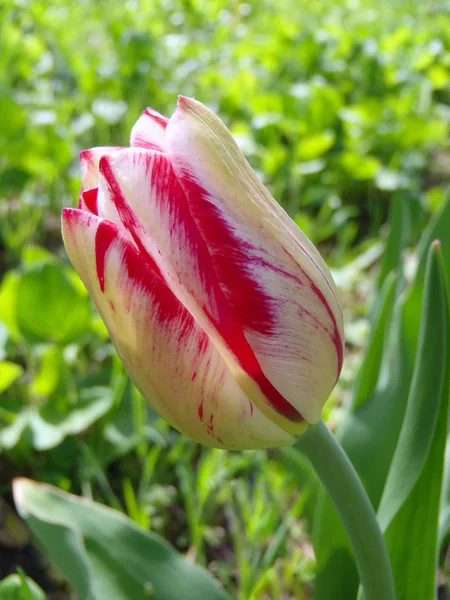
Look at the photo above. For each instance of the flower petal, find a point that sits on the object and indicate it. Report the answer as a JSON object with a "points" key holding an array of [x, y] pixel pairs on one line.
{"points": [[273, 278], [168, 356], [149, 131], [88, 200], [140, 188], [89, 160]]}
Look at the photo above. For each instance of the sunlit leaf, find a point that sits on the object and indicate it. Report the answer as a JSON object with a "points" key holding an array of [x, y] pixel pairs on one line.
{"points": [[104, 554]]}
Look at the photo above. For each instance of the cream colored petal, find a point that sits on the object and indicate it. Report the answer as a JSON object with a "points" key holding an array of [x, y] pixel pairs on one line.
{"points": [[89, 160], [169, 358], [274, 279], [149, 131], [141, 193]]}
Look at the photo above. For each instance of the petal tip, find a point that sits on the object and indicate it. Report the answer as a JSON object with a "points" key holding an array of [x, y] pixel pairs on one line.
{"points": [[182, 101], [155, 115], [186, 103], [67, 213]]}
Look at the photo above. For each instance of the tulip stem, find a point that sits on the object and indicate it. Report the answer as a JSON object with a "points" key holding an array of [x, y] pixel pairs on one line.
{"points": [[354, 508]]}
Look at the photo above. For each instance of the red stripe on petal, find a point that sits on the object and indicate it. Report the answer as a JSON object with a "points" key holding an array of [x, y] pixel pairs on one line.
{"points": [[228, 326], [230, 255], [106, 234], [89, 159], [232, 258], [334, 334], [126, 214], [89, 198], [336, 338], [140, 272], [183, 229], [156, 116], [148, 132]]}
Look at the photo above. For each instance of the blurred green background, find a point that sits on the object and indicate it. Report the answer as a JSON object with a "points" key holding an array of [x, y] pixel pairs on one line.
{"points": [[341, 107]]}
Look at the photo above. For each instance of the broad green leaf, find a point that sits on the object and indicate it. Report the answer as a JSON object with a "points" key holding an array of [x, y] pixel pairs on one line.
{"points": [[104, 554], [52, 371], [9, 372], [49, 424], [315, 145], [49, 306], [8, 303], [370, 434], [359, 166], [56, 420], [36, 254], [20, 587], [427, 388], [409, 508], [412, 537]]}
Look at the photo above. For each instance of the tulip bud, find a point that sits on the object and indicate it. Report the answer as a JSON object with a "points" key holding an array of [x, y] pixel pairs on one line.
{"points": [[222, 311]]}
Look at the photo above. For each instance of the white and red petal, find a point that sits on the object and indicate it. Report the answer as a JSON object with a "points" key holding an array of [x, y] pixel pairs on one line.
{"points": [[88, 200], [274, 280], [89, 160], [149, 131], [169, 357], [140, 188]]}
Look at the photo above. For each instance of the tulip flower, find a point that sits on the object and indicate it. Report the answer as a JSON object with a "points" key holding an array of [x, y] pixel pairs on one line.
{"points": [[222, 311]]}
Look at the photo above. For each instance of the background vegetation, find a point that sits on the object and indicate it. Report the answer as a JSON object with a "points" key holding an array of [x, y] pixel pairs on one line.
{"points": [[341, 107]]}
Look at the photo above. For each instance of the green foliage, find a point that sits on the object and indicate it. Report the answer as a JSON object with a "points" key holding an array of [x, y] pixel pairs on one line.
{"points": [[20, 587], [397, 422], [342, 108], [345, 104], [412, 492], [103, 554]]}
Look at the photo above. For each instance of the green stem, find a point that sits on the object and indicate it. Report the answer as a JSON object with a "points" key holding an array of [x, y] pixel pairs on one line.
{"points": [[351, 502]]}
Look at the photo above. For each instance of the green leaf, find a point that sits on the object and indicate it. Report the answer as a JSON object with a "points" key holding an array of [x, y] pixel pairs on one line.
{"points": [[8, 302], [370, 431], [49, 305], [409, 509], [104, 554], [425, 395], [20, 587], [370, 434], [315, 145], [9, 372], [359, 166], [50, 423]]}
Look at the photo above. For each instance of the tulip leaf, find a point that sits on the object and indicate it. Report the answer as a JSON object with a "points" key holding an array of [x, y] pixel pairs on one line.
{"points": [[427, 388], [409, 508], [20, 587], [373, 429], [103, 554]]}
